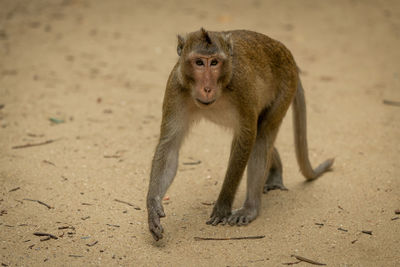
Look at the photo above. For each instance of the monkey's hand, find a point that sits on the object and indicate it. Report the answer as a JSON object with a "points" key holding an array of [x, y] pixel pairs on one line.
{"points": [[155, 211], [220, 214]]}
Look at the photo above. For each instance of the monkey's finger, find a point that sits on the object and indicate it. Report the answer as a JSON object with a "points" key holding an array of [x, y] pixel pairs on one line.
{"points": [[156, 231], [159, 209], [210, 220], [156, 235], [213, 221], [216, 221], [161, 212], [233, 220], [224, 221], [155, 226]]}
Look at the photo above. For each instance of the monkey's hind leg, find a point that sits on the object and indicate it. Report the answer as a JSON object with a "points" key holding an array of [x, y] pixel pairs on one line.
{"points": [[274, 180]]}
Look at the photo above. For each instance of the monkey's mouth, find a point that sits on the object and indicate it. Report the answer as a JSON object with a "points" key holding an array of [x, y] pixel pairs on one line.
{"points": [[206, 103]]}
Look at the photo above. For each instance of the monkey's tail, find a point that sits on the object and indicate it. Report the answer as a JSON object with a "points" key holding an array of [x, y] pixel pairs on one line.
{"points": [[300, 138]]}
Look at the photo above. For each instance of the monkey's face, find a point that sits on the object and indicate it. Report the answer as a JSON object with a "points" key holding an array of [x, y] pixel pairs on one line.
{"points": [[205, 76], [205, 66]]}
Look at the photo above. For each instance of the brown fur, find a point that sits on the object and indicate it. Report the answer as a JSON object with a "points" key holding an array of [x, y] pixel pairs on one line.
{"points": [[242, 80]]}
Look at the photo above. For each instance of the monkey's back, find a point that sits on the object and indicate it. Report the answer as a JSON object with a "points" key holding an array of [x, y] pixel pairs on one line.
{"points": [[259, 48], [264, 61]]}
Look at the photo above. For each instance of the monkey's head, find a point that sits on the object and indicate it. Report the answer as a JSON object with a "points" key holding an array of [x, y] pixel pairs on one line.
{"points": [[205, 65]]}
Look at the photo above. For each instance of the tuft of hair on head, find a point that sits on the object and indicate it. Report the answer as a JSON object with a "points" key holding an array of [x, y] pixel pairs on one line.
{"points": [[205, 35]]}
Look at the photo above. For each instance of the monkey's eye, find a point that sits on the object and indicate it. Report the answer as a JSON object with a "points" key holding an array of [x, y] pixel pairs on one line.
{"points": [[199, 62], [214, 62]]}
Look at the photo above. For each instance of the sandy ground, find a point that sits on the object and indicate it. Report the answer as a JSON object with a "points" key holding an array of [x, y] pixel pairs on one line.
{"points": [[101, 68]]}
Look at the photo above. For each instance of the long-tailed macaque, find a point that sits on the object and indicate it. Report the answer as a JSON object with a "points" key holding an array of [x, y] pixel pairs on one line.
{"points": [[242, 80]]}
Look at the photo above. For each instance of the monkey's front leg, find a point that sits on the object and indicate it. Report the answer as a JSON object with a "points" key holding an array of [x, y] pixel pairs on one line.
{"points": [[257, 170], [240, 151], [163, 171]]}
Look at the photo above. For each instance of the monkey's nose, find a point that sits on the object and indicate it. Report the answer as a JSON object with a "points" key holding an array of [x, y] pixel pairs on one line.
{"points": [[207, 89]]}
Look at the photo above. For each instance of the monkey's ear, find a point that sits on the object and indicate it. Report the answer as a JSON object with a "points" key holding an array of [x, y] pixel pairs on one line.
{"points": [[181, 43], [229, 42]]}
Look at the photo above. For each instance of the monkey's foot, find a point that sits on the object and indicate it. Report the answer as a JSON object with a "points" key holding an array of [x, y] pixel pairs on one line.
{"points": [[269, 187], [155, 212], [274, 182], [220, 215], [243, 216]]}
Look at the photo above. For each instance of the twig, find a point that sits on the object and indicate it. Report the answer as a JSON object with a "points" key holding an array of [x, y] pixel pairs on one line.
{"points": [[341, 229], [38, 201], [300, 258], [124, 202], [391, 103], [291, 263], [113, 225], [49, 162], [395, 218], [207, 203], [366, 232], [35, 144], [56, 121], [34, 135], [228, 238], [92, 244], [252, 261], [45, 234], [192, 163], [127, 203], [85, 218], [75, 256], [112, 156], [14, 189], [66, 227]]}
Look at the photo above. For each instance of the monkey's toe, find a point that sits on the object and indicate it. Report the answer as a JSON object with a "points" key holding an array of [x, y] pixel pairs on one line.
{"points": [[269, 187], [242, 216], [239, 221], [274, 181]]}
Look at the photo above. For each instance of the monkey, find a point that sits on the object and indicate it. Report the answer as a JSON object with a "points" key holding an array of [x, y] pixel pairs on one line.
{"points": [[242, 80]]}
